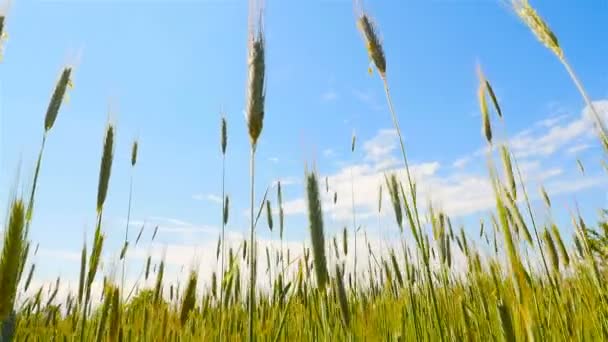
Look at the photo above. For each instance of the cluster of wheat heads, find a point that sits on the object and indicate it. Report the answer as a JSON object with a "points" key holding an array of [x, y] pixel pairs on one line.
{"points": [[409, 290]]}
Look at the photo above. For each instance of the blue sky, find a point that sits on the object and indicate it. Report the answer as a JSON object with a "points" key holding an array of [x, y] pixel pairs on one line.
{"points": [[167, 68]]}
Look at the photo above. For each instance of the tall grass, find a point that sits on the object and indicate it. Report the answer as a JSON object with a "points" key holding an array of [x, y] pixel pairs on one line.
{"points": [[443, 285], [134, 151], [225, 202], [254, 114]]}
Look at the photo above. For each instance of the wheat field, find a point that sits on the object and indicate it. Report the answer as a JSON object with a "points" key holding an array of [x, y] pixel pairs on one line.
{"points": [[410, 292]]}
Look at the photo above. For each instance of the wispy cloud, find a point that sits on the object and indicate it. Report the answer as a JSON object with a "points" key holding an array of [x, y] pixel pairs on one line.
{"points": [[368, 98], [458, 191], [329, 153], [461, 162], [329, 95], [563, 132], [208, 197], [578, 148]]}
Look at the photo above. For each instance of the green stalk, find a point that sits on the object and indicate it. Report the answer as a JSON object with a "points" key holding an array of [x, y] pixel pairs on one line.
{"points": [[122, 283], [415, 208], [223, 246], [581, 89], [251, 242]]}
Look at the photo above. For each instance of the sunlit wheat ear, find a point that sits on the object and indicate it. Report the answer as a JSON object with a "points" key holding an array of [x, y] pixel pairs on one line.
{"points": [[10, 260], [254, 110], [537, 25], [560, 244], [224, 135], [373, 43], [551, 250], [545, 196], [57, 98], [134, 149], [106, 166], [508, 170], [486, 127], [315, 220]]}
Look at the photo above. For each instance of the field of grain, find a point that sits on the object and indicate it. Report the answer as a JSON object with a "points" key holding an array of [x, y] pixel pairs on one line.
{"points": [[410, 292]]}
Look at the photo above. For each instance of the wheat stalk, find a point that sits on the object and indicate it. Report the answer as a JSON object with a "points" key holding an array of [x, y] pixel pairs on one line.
{"points": [[315, 222], [254, 115], [12, 251], [543, 33]]}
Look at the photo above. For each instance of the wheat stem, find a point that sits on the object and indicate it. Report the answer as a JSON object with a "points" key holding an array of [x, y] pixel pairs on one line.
{"points": [[251, 242], [581, 89]]}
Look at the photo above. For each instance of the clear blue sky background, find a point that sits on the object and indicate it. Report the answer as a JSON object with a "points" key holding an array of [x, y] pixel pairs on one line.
{"points": [[167, 68]]}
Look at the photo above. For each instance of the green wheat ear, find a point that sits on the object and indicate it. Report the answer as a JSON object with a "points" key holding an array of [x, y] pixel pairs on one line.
{"points": [[105, 167], [10, 261], [373, 43], [538, 26], [342, 299], [58, 95], [189, 299], [226, 209], [256, 91], [560, 243], [224, 135], [158, 290], [134, 149], [486, 127], [315, 220], [393, 189], [2, 19], [551, 249]]}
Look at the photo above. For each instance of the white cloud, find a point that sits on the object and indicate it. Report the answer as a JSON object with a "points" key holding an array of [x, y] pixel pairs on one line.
{"points": [[578, 148], [274, 159], [561, 133], [208, 197], [458, 192], [286, 181], [368, 98], [549, 136], [552, 121], [461, 162], [329, 95], [380, 148], [328, 153]]}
